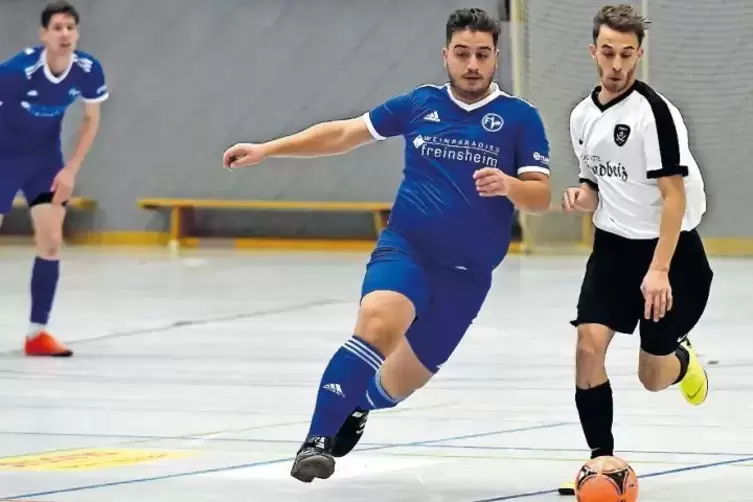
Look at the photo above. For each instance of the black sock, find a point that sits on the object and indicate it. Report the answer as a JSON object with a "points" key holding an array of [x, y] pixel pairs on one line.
{"points": [[596, 411], [684, 357]]}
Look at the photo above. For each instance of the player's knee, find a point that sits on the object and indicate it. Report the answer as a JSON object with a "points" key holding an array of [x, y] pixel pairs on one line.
{"points": [[593, 341], [383, 319], [48, 244]]}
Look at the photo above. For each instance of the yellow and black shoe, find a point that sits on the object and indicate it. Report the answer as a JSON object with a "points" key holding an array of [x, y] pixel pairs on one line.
{"points": [[695, 385]]}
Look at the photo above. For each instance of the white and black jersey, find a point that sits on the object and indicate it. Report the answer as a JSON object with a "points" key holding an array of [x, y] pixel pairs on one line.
{"points": [[623, 148]]}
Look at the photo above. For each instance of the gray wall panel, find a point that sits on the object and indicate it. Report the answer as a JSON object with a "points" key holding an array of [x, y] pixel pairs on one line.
{"points": [[190, 77]]}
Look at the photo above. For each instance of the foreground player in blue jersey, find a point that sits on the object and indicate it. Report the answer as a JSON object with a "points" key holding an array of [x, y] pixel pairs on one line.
{"points": [[36, 88], [472, 153]]}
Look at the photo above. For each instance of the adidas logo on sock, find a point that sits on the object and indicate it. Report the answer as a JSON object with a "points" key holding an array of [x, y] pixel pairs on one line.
{"points": [[335, 388], [432, 117]]}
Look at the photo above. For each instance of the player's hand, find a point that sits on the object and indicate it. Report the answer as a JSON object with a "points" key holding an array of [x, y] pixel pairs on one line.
{"points": [[491, 182], [578, 199], [242, 155], [63, 183], [657, 294]]}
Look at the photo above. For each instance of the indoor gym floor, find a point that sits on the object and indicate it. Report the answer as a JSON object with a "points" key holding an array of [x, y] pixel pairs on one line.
{"points": [[194, 380]]}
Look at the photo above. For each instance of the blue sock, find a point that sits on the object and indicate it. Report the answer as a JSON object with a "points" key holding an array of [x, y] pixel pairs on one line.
{"points": [[376, 398], [343, 384], [44, 281]]}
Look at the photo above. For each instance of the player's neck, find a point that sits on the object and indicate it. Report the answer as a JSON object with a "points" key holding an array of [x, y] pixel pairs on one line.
{"points": [[57, 64], [470, 99], [606, 97]]}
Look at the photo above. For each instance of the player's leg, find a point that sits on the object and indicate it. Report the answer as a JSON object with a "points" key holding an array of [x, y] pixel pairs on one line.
{"points": [[402, 373], [666, 356], [47, 219], [456, 299], [394, 290], [608, 303], [593, 390]]}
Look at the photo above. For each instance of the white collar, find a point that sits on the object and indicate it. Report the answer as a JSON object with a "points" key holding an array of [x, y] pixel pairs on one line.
{"points": [[469, 107], [48, 72]]}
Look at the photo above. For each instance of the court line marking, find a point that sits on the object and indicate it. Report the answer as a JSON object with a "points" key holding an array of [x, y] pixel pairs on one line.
{"points": [[132, 439], [198, 436], [268, 462], [650, 475], [569, 460], [198, 322]]}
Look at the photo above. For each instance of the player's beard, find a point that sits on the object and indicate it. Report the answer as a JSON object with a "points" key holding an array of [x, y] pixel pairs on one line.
{"points": [[616, 86], [468, 91]]}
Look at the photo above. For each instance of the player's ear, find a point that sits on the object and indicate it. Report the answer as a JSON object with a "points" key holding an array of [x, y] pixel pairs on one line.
{"points": [[445, 52], [592, 50]]}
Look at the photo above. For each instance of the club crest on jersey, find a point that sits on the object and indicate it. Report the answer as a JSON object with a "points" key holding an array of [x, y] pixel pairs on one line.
{"points": [[492, 122], [621, 134]]}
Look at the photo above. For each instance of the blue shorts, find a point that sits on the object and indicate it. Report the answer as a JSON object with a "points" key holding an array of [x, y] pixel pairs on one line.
{"points": [[31, 173], [447, 300]]}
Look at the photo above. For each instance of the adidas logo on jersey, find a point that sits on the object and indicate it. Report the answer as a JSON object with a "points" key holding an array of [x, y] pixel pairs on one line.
{"points": [[432, 117]]}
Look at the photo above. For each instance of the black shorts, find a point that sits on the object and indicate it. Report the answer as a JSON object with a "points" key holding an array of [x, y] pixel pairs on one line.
{"points": [[611, 291]]}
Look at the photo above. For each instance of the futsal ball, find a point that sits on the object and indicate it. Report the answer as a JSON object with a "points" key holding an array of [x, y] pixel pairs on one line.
{"points": [[606, 479]]}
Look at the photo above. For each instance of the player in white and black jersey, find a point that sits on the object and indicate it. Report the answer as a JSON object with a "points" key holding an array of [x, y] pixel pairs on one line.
{"points": [[648, 266]]}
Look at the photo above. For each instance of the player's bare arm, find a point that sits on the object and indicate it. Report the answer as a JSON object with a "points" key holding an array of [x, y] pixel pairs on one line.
{"points": [[86, 134], [324, 139], [583, 198], [673, 209], [530, 192], [656, 287]]}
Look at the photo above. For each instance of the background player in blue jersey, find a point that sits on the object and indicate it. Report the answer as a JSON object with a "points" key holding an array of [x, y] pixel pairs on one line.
{"points": [[36, 88], [472, 153]]}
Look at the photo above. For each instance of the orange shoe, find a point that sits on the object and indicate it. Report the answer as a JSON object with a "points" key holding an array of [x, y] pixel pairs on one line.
{"points": [[44, 344]]}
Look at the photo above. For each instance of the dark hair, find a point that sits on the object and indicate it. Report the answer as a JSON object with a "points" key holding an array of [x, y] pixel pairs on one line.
{"points": [[623, 18], [59, 7], [472, 19]]}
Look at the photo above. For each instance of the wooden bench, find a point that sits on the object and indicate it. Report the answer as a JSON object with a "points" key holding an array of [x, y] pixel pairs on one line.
{"points": [[182, 210], [75, 203]]}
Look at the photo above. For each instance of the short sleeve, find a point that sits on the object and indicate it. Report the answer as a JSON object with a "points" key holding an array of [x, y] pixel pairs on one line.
{"points": [[585, 175], [661, 142], [94, 88], [390, 118], [12, 80], [532, 147]]}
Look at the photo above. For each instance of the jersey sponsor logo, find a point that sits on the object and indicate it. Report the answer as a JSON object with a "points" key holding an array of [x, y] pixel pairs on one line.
{"points": [[621, 134], [605, 169], [43, 110], [492, 122], [463, 150], [543, 159]]}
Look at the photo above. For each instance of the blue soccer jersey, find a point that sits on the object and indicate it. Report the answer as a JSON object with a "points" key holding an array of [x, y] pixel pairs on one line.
{"points": [[33, 101], [437, 206]]}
